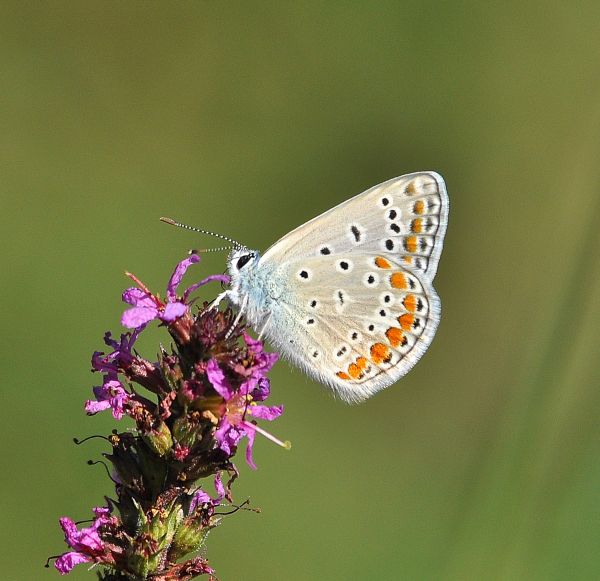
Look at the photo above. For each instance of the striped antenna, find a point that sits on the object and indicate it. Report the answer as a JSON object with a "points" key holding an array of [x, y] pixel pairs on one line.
{"points": [[205, 250], [236, 244]]}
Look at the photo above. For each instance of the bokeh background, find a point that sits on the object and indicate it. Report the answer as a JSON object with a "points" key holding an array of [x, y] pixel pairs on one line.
{"points": [[248, 119]]}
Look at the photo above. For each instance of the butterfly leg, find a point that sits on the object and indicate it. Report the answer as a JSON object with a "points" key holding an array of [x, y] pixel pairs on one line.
{"points": [[215, 304], [238, 316], [260, 335]]}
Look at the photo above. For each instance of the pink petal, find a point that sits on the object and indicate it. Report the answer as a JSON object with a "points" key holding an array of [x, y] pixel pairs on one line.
{"points": [[69, 528], [93, 407], [137, 297], [173, 311], [89, 539], [200, 497], [224, 278], [102, 514], [100, 511], [219, 487], [217, 378], [254, 344], [65, 563], [264, 412], [113, 386], [138, 316], [178, 274], [249, 459]]}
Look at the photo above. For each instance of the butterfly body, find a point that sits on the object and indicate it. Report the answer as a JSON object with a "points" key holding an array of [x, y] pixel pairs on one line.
{"points": [[348, 296]]}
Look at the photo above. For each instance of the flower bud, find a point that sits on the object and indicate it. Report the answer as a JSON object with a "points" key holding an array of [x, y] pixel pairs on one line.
{"points": [[165, 522], [190, 537], [171, 370], [159, 439]]}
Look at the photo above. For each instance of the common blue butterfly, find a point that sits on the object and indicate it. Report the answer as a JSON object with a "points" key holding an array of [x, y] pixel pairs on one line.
{"points": [[348, 296]]}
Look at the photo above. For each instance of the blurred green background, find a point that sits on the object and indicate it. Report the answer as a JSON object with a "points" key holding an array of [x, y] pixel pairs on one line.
{"points": [[248, 119]]}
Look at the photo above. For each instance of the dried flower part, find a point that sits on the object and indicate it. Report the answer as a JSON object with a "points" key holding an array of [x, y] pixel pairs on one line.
{"points": [[191, 408]]}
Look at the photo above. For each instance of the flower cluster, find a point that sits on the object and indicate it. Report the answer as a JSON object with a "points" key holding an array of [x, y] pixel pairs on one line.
{"points": [[192, 408]]}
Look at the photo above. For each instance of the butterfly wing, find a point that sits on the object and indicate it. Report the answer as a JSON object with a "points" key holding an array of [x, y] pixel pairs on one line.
{"points": [[356, 322], [404, 218]]}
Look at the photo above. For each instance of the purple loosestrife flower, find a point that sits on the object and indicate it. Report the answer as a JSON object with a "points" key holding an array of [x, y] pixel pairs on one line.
{"points": [[111, 394], [201, 497], [191, 408], [240, 405], [87, 542], [121, 356], [147, 307]]}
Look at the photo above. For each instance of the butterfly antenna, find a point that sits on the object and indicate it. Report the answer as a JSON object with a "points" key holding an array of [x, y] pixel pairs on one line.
{"points": [[235, 243], [205, 250]]}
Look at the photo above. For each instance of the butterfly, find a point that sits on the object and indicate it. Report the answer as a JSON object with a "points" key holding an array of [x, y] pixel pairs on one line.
{"points": [[348, 297]]}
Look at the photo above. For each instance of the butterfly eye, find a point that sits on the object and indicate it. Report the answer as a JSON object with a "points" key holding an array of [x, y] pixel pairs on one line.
{"points": [[243, 260]]}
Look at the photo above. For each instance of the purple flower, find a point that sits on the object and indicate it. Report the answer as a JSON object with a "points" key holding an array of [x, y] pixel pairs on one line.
{"points": [[87, 544], [147, 307], [122, 360], [121, 356], [239, 405], [201, 497], [262, 362], [65, 563], [102, 515], [111, 394]]}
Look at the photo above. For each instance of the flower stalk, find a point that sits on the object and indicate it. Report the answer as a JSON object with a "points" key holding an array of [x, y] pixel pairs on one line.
{"points": [[191, 408]]}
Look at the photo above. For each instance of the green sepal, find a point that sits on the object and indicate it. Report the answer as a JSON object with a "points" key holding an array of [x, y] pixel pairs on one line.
{"points": [[159, 440]]}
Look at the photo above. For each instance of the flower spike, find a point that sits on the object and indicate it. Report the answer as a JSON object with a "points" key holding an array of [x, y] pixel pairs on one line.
{"points": [[192, 407]]}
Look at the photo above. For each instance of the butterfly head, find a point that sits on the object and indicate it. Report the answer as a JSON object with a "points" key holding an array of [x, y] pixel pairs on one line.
{"points": [[241, 259], [241, 265]]}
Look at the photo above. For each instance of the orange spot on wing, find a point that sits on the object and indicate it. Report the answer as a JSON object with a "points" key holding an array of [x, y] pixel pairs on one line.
{"points": [[362, 363], [419, 207], [395, 336], [408, 259], [417, 225], [406, 321], [380, 353], [411, 188], [342, 375], [398, 280], [354, 371], [411, 244], [381, 262], [410, 303]]}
